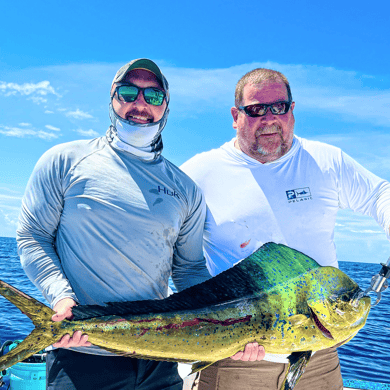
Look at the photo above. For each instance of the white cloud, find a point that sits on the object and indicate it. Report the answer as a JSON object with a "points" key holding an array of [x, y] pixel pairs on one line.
{"points": [[78, 114], [49, 112], [38, 99], [367, 231], [42, 88], [24, 124], [10, 218], [87, 133], [36, 92], [351, 95], [10, 202], [355, 226], [322, 89], [8, 221], [4, 197], [50, 127], [26, 133], [373, 107]]}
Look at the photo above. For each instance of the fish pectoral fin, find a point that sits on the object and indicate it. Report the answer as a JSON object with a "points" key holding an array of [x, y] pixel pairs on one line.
{"points": [[134, 354], [198, 366], [298, 362], [298, 319]]}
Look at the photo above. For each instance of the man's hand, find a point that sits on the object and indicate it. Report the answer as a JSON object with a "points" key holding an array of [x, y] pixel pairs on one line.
{"points": [[252, 352], [63, 310]]}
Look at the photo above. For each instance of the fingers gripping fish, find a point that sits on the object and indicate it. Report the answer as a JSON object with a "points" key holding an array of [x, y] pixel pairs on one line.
{"points": [[277, 296]]}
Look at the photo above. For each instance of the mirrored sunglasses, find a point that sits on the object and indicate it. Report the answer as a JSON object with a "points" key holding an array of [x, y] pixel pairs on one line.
{"points": [[277, 108], [129, 93]]}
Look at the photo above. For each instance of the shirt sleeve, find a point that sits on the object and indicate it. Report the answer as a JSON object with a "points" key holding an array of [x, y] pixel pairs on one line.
{"points": [[36, 233], [364, 192], [189, 265]]}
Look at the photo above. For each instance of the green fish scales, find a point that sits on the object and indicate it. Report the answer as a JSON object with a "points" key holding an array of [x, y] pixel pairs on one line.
{"points": [[278, 297]]}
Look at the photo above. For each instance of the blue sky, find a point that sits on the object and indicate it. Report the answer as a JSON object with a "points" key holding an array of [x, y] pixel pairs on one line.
{"points": [[57, 62]]}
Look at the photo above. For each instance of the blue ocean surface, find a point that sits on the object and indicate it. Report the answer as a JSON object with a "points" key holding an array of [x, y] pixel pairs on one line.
{"points": [[364, 359]]}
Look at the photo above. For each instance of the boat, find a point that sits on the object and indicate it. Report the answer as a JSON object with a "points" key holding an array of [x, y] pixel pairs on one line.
{"points": [[349, 384], [27, 375]]}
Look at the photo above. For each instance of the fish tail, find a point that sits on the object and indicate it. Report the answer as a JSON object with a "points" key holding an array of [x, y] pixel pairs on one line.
{"points": [[33, 309], [32, 344], [46, 331]]}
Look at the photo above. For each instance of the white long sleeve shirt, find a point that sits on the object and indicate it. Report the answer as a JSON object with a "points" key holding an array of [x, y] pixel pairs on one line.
{"points": [[293, 200]]}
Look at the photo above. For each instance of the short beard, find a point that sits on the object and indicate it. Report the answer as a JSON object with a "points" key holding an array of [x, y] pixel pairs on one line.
{"points": [[265, 152], [268, 152], [270, 130]]}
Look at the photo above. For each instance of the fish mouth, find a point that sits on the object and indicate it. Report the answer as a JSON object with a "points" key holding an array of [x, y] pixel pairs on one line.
{"points": [[321, 327]]}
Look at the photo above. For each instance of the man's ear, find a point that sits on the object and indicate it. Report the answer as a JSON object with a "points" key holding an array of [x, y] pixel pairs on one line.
{"points": [[234, 111]]}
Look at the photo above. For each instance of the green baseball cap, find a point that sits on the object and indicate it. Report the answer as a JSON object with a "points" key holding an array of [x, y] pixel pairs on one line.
{"points": [[141, 63]]}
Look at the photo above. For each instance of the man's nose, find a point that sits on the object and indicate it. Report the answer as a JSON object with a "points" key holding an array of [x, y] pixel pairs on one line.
{"points": [[140, 99], [268, 115]]}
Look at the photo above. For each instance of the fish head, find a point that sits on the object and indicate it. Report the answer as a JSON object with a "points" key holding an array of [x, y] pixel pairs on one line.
{"points": [[334, 306]]}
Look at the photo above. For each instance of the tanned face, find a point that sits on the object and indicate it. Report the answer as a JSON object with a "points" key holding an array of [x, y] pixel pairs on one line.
{"points": [[268, 137], [139, 111]]}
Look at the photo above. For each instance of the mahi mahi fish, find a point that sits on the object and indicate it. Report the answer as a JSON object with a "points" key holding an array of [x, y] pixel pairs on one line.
{"points": [[277, 296]]}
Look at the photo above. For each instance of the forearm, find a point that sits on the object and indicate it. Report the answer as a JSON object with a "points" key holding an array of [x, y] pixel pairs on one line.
{"points": [[42, 265], [39, 219], [189, 265], [364, 192], [188, 273]]}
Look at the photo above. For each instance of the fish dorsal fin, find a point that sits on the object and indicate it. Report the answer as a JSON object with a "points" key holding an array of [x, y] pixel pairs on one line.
{"points": [[269, 266]]}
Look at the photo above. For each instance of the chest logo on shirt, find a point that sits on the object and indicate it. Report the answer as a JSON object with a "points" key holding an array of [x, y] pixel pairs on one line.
{"points": [[163, 191], [299, 195]]}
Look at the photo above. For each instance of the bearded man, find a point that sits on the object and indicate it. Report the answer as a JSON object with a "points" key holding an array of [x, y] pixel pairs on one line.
{"points": [[268, 184]]}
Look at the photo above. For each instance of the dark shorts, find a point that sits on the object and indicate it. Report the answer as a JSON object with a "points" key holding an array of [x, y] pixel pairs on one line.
{"points": [[322, 373], [69, 370]]}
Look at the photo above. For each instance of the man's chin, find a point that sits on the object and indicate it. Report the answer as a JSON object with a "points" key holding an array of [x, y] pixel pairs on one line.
{"points": [[267, 154], [269, 150]]}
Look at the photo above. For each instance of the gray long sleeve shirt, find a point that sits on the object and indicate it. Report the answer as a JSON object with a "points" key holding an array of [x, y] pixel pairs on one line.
{"points": [[100, 225]]}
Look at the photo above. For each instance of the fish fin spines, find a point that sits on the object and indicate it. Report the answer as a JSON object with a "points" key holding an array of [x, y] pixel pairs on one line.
{"points": [[269, 265]]}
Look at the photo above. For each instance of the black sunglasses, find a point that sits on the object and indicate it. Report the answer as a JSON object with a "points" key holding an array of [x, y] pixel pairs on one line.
{"points": [[260, 109], [129, 93]]}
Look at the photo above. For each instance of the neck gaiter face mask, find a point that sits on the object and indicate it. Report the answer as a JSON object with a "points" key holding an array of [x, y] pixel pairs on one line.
{"points": [[142, 140]]}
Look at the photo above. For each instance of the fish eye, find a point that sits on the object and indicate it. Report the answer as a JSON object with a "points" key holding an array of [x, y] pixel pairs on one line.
{"points": [[345, 297]]}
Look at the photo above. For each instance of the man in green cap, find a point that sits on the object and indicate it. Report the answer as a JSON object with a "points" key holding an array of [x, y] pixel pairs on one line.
{"points": [[109, 220]]}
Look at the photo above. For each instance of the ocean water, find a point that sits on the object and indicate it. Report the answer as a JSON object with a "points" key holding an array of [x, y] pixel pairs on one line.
{"points": [[365, 359]]}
